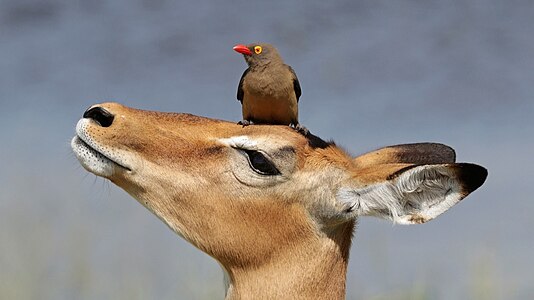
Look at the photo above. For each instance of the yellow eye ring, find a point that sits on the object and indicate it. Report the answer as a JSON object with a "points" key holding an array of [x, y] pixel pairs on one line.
{"points": [[257, 49]]}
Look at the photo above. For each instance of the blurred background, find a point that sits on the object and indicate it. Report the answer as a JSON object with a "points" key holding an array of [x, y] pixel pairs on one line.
{"points": [[373, 73]]}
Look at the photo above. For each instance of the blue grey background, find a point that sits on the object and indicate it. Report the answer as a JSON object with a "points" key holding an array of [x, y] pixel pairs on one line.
{"points": [[373, 73]]}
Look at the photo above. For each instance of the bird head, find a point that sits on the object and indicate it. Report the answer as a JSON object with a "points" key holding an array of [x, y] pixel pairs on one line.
{"points": [[259, 54]]}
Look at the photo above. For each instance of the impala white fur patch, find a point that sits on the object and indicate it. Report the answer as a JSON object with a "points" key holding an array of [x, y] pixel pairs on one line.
{"points": [[241, 141], [415, 196], [92, 160]]}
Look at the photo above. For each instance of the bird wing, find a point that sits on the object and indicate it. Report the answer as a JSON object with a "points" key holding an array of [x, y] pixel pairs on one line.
{"points": [[240, 92], [296, 83]]}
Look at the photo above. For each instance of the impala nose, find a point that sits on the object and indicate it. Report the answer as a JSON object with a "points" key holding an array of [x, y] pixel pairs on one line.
{"points": [[99, 115]]}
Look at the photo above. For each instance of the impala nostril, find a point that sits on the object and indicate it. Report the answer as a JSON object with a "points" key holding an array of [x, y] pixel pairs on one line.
{"points": [[100, 115]]}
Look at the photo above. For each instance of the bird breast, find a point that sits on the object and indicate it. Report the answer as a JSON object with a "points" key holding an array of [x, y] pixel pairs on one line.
{"points": [[270, 83]]}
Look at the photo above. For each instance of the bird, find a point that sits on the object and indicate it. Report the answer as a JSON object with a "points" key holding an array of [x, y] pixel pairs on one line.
{"points": [[268, 90]]}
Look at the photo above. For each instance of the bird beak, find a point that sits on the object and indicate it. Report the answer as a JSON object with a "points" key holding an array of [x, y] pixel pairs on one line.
{"points": [[242, 49]]}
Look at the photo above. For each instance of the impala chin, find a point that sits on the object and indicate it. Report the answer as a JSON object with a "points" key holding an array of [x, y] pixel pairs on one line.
{"points": [[92, 160]]}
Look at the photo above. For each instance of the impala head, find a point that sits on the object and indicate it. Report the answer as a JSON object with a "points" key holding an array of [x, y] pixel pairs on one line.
{"points": [[248, 195]]}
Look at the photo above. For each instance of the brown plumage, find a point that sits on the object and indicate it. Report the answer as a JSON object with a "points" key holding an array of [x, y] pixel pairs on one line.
{"points": [[269, 90]]}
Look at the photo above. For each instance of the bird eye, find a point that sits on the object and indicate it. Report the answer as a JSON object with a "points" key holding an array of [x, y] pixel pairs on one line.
{"points": [[257, 49], [261, 164]]}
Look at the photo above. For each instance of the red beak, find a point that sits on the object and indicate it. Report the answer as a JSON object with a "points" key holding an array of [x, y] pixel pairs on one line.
{"points": [[242, 49]]}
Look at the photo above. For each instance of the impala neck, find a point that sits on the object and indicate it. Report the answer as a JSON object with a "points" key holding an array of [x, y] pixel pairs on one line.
{"points": [[315, 269]]}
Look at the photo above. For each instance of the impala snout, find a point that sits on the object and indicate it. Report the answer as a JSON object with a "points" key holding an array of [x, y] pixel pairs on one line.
{"points": [[96, 140]]}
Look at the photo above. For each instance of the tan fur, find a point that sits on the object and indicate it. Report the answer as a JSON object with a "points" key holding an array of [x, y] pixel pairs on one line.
{"points": [[278, 238]]}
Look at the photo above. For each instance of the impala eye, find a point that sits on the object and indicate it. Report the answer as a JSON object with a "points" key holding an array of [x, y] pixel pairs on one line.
{"points": [[261, 164], [257, 49]]}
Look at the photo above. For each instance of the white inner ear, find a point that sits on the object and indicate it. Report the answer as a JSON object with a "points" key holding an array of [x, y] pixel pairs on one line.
{"points": [[415, 196]]}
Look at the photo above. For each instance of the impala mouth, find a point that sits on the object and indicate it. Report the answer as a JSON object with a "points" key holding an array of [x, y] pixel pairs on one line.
{"points": [[85, 148], [93, 157]]}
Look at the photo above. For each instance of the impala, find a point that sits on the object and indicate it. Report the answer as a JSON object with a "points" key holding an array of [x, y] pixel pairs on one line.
{"points": [[276, 209]]}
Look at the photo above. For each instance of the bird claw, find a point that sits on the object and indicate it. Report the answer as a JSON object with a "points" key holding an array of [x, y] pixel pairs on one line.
{"points": [[245, 123], [300, 129]]}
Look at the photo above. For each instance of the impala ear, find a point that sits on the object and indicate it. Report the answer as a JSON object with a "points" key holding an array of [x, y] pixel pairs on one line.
{"points": [[417, 154], [409, 194]]}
